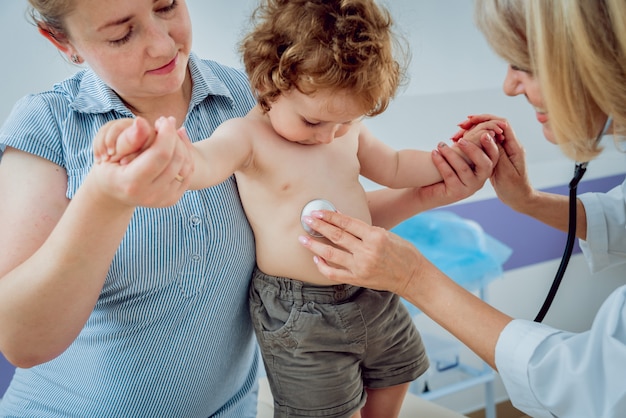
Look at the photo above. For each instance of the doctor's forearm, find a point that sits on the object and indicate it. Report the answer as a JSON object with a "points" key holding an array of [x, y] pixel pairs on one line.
{"points": [[553, 210], [474, 322]]}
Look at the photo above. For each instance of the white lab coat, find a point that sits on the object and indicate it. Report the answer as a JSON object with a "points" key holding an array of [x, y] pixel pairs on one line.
{"points": [[606, 228], [548, 372]]}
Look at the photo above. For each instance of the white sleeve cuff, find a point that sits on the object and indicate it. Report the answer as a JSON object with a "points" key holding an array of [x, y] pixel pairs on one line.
{"points": [[515, 347]]}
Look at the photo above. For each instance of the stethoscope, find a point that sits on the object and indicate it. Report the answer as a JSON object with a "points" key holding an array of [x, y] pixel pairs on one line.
{"points": [[579, 172]]}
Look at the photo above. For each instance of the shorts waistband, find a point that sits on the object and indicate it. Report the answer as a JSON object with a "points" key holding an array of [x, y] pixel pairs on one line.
{"points": [[292, 289]]}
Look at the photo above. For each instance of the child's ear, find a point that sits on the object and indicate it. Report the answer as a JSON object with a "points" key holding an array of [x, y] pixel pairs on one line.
{"points": [[58, 41]]}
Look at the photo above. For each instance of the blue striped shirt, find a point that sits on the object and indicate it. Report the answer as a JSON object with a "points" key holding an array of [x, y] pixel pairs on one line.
{"points": [[170, 335]]}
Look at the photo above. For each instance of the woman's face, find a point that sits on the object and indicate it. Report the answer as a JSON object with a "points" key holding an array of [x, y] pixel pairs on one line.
{"points": [[519, 81], [140, 48]]}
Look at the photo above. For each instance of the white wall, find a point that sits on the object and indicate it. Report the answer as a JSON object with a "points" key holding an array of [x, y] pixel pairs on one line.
{"points": [[441, 35], [453, 74]]}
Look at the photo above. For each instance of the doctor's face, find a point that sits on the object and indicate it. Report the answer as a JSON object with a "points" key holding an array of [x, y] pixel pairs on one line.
{"points": [[519, 81]]}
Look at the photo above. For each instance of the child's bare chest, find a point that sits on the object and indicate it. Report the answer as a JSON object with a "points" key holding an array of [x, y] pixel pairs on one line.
{"points": [[292, 169]]}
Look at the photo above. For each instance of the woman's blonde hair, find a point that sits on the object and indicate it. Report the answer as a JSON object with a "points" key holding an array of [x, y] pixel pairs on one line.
{"points": [[577, 49], [324, 44]]}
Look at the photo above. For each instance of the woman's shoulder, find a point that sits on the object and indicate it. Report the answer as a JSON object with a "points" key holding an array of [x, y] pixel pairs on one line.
{"points": [[38, 121], [33, 126], [56, 100], [36, 110], [220, 78], [219, 69]]}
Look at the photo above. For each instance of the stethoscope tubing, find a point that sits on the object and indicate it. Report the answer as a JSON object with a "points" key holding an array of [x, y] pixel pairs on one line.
{"points": [[579, 171]]}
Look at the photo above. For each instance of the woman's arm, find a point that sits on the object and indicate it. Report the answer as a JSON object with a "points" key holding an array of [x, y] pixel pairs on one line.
{"points": [[605, 242], [541, 367], [375, 258], [56, 252]]}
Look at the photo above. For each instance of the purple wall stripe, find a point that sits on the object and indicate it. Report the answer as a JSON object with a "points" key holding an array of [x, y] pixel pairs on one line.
{"points": [[532, 242]]}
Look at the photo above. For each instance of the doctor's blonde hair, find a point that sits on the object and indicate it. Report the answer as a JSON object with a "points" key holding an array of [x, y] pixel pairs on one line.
{"points": [[577, 49], [324, 44]]}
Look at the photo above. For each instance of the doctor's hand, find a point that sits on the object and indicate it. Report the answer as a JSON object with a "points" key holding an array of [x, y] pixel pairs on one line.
{"points": [[364, 255], [510, 178], [462, 175], [375, 258]]}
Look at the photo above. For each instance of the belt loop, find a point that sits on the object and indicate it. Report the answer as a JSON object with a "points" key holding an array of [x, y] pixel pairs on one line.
{"points": [[340, 292], [296, 291]]}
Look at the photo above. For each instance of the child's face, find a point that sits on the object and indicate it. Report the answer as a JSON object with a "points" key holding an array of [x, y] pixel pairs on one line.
{"points": [[313, 119]]}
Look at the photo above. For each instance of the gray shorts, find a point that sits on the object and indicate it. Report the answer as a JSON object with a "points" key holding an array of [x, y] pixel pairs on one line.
{"points": [[323, 345]]}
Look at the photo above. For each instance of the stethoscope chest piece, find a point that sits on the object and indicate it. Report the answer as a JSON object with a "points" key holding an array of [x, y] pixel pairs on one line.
{"points": [[316, 204]]}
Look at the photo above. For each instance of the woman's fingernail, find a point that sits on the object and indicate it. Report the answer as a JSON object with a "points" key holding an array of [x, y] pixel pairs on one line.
{"points": [[462, 142], [307, 219], [316, 259], [303, 240], [317, 214], [441, 145]]}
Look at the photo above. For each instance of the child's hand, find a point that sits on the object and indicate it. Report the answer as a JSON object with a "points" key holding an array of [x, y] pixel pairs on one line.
{"points": [[486, 123], [475, 128], [123, 140]]}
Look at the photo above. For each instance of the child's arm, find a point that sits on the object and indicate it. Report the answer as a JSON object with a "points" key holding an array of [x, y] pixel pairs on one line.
{"points": [[407, 168], [227, 150], [215, 159]]}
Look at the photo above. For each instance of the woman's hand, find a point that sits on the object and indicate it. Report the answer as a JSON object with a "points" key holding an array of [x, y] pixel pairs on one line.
{"points": [[461, 179], [156, 176], [481, 155], [509, 179], [372, 257], [364, 255]]}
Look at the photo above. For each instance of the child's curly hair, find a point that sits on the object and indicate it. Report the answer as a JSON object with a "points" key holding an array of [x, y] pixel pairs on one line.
{"points": [[324, 44]]}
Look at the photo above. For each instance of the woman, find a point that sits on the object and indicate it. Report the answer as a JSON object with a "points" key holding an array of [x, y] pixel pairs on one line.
{"points": [[569, 59], [120, 294]]}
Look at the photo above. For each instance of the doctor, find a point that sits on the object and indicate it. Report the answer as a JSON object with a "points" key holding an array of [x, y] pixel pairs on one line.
{"points": [[569, 59]]}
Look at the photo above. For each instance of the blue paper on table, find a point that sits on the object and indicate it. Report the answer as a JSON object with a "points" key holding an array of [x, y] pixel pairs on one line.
{"points": [[459, 247]]}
